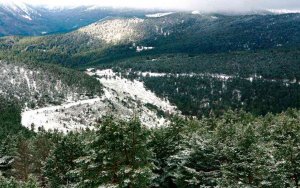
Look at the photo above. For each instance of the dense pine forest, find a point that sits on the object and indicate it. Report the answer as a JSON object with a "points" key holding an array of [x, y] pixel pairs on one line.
{"points": [[236, 149]]}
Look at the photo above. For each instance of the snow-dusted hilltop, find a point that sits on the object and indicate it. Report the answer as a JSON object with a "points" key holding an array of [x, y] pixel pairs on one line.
{"points": [[114, 31]]}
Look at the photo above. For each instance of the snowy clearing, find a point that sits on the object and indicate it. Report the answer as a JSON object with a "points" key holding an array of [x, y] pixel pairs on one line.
{"points": [[122, 98]]}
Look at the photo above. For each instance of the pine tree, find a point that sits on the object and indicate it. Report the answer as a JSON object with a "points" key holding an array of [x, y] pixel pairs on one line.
{"points": [[285, 136], [41, 147], [117, 156], [61, 161], [23, 160], [165, 142], [197, 164]]}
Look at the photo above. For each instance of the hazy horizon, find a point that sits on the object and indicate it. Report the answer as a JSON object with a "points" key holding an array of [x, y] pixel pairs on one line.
{"points": [[201, 5]]}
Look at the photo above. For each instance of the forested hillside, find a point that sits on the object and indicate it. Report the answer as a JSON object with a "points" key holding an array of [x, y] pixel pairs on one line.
{"points": [[118, 38], [38, 85]]}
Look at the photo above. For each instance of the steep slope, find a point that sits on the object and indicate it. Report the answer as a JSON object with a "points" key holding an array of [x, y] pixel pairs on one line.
{"points": [[122, 99], [37, 86]]}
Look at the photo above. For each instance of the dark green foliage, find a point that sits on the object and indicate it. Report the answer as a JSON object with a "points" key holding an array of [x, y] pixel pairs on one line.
{"points": [[10, 124], [234, 150], [13, 183], [276, 63], [61, 161], [202, 95], [164, 143], [117, 156]]}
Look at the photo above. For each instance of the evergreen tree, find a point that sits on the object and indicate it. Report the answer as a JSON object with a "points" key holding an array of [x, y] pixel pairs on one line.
{"points": [[41, 147], [197, 164], [117, 156], [285, 136], [165, 142], [23, 160], [61, 161]]}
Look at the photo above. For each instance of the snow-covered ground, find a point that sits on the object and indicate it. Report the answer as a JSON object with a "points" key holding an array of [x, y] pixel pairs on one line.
{"points": [[56, 117], [223, 77], [114, 31], [135, 89], [122, 98], [155, 74], [283, 11], [143, 48], [158, 15]]}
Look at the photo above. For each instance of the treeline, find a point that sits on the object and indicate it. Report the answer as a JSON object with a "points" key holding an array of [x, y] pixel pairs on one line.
{"points": [[280, 63], [236, 149], [203, 95]]}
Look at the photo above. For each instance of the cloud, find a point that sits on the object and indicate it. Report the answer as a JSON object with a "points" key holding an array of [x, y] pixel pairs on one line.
{"points": [[245, 5], [202, 5]]}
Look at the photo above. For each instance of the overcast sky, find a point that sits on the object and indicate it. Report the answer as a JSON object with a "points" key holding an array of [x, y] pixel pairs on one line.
{"points": [[202, 5]]}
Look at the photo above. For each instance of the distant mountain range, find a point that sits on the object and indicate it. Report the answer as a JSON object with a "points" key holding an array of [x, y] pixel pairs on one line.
{"points": [[18, 18], [28, 20]]}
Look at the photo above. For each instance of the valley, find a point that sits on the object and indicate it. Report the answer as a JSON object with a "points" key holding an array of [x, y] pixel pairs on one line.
{"points": [[94, 96]]}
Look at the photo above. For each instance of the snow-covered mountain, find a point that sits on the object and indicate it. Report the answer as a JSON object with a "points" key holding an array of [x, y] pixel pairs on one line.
{"points": [[19, 9], [19, 18]]}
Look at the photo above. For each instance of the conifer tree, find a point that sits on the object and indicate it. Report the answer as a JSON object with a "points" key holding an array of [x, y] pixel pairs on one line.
{"points": [[117, 156], [61, 161]]}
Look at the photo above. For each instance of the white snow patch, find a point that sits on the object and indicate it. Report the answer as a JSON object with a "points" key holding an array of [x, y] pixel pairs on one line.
{"points": [[114, 31], [154, 74], [135, 89], [143, 48], [222, 77], [50, 118], [158, 15], [27, 17], [196, 12], [283, 11]]}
